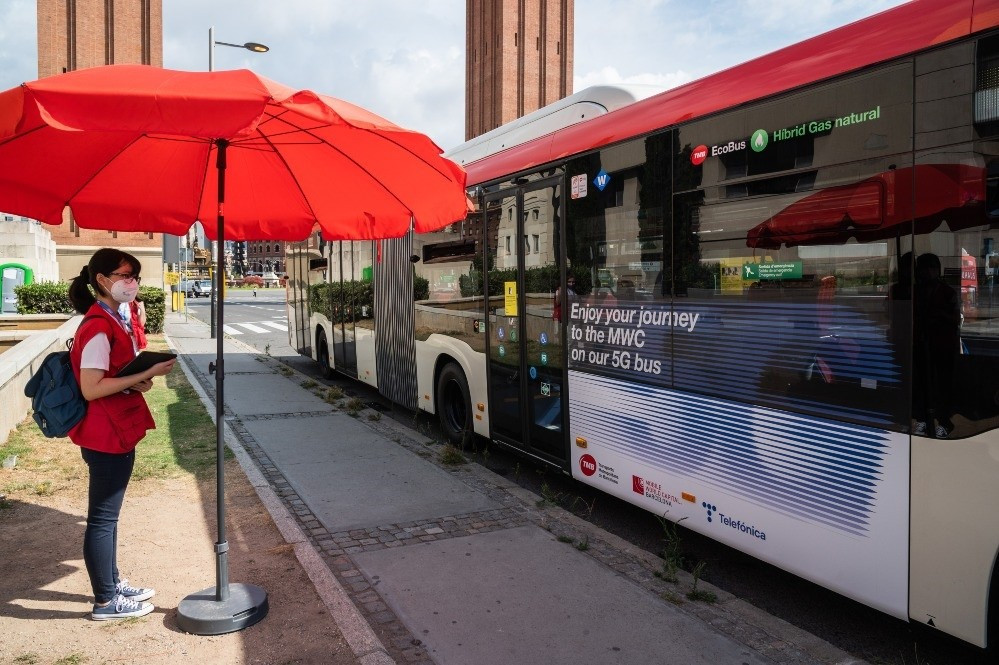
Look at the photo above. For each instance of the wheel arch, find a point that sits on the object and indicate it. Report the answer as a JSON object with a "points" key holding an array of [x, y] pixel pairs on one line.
{"points": [[431, 357]]}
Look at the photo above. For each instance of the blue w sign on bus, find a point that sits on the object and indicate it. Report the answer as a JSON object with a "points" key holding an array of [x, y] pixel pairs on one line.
{"points": [[602, 180]]}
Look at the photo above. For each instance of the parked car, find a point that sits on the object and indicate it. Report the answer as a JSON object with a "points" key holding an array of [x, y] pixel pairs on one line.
{"points": [[202, 287], [196, 288]]}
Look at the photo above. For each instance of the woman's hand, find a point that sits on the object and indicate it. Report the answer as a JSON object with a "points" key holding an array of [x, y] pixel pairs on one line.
{"points": [[143, 386], [160, 369]]}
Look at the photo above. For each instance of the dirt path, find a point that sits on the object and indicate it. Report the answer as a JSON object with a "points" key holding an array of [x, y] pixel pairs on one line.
{"points": [[166, 537]]}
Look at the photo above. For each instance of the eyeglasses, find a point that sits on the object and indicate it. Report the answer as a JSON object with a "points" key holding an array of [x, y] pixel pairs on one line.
{"points": [[126, 277]]}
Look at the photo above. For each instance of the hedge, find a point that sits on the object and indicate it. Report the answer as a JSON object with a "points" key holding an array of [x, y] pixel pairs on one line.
{"points": [[43, 298], [53, 298], [327, 299]]}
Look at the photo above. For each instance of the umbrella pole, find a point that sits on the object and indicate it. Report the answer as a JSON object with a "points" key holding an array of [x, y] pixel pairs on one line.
{"points": [[224, 608]]}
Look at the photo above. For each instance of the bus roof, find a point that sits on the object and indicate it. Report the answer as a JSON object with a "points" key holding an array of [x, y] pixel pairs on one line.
{"points": [[583, 105], [889, 34]]}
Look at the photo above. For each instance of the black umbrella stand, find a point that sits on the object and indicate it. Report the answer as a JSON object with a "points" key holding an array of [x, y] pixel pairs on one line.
{"points": [[225, 607]]}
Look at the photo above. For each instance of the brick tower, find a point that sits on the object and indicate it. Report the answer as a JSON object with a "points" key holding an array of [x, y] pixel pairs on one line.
{"points": [[75, 34], [518, 58]]}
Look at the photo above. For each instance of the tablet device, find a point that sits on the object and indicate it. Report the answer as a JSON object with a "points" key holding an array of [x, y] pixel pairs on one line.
{"points": [[144, 361]]}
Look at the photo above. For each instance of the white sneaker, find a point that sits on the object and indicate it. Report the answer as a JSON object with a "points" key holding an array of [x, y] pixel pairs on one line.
{"points": [[120, 607], [134, 593]]}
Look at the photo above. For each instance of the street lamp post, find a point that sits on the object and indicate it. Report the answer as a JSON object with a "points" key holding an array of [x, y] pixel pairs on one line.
{"points": [[225, 607], [217, 281]]}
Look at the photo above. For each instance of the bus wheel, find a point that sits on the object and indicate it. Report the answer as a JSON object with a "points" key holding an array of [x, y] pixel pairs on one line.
{"points": [[323, 355], [454, 407]]}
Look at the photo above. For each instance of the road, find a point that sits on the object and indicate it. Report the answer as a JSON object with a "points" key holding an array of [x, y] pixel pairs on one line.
{"points": [[261, 323]]}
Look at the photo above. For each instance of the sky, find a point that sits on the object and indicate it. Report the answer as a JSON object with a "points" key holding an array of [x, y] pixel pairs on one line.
{"points": [[405, 60]]}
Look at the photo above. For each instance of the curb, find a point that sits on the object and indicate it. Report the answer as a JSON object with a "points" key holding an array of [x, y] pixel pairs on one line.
{"points": [[362, 641]]}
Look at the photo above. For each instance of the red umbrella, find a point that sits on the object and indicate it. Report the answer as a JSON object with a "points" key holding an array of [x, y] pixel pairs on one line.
{"points": [[133, 148], [136, 148], [877, 207]]}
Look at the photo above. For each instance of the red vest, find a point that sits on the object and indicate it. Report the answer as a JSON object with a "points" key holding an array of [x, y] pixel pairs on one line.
{"points": [[116, 423]]}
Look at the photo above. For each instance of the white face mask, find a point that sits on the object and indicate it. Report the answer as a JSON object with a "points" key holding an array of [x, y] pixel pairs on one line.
{"points": [[123, 291]]}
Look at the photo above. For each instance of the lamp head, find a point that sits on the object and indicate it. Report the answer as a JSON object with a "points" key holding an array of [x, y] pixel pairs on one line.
{"points": [[255, 47]]}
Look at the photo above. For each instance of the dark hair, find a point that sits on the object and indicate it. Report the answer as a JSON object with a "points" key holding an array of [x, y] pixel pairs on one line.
{"points": [[104, 262], [928, 267]]}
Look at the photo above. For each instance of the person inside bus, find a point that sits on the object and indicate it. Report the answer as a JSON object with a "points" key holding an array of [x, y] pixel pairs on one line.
{"points": [[626, 289], [936, 345], [570, 292]]}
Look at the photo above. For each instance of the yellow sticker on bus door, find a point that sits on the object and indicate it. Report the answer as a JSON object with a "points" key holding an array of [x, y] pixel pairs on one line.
{"points": [[510, 298]]}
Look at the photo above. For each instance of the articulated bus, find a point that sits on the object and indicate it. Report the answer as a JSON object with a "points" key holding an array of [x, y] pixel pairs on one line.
{"points": [[761, 303]]}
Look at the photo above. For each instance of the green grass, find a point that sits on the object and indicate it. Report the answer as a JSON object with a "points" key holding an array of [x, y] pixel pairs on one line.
{"points": [[27, 659], [71, 659], [184, 438]]}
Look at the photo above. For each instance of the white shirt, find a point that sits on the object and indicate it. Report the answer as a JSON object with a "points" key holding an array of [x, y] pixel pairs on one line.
{"points": [[97, 353]]}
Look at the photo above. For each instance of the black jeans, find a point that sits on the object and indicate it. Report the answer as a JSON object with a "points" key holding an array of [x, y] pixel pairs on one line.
{"points": [[109, 475]]}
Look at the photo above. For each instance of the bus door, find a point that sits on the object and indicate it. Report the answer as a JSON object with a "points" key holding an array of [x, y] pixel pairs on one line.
{"points": [[527, 375]]}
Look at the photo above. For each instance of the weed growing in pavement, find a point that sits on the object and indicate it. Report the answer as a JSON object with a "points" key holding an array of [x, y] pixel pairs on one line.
{"points": [[375, 417], [44, 488], [698, 594], [334, 393], [309, 384], [285, 371], [451, 456], [566, 539], [549, 497], [353, 407], [587, 507], [584, 544], [672, 556], [267, 349], [671, 597], [27, 659]]}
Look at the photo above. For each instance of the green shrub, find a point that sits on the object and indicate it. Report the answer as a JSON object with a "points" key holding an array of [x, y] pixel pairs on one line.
{"points": [[342, 301], [43, 298], [421, 288], [155, 301], [53, 298]]}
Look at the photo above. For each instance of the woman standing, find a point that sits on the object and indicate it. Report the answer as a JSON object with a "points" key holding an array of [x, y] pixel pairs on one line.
{"points": [[117, 419]]}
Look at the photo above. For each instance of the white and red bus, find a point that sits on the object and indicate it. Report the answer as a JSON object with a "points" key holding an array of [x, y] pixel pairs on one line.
{"points": [[737, 303]]}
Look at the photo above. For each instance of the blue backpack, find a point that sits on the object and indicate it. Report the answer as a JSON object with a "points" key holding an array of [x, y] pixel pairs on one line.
{"points": [[55, 395]]}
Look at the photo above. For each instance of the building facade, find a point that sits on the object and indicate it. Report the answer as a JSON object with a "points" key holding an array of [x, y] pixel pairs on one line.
{"points": [[75, 34], [264, 256], [518, 58]]}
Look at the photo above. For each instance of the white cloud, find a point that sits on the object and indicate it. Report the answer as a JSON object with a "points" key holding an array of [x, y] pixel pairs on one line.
{"points": [[610, 75]]}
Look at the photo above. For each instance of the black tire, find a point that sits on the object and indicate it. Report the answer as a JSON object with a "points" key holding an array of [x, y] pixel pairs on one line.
{"points": [[323, 355], [454, 406]]}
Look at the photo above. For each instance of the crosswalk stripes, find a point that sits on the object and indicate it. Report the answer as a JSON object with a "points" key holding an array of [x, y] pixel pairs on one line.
{"points": [[255, 326]]}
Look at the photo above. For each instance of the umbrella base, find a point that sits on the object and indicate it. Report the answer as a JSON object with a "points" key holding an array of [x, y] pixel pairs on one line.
{"points": [[202, 614]]}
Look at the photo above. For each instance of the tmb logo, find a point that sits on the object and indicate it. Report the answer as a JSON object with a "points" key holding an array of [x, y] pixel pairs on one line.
{"points": [[698, 155], [587, 465]]}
